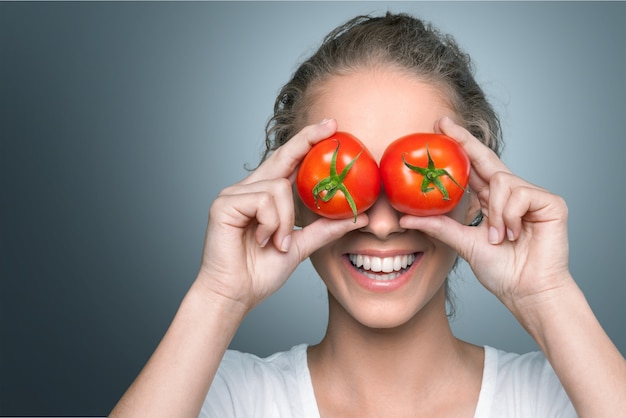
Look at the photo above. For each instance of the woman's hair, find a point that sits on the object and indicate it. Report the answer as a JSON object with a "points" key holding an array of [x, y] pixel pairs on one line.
{"points": [[399, 41]]}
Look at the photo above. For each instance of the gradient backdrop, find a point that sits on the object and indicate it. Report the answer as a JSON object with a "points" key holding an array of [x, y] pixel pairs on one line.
{"points": [[120, 122]]}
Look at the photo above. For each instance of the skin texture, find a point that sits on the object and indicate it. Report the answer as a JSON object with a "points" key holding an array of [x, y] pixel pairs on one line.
{"points": [[388, 350]]}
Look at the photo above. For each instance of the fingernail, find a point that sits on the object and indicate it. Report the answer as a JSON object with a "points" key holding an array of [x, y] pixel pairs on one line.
{"points": [[264, 243], [324, 121], [510, 235], [284, 246], [493, 235]]}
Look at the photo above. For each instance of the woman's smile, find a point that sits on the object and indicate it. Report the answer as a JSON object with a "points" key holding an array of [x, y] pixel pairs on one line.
{"points": [[381, 273], [370, 264]]}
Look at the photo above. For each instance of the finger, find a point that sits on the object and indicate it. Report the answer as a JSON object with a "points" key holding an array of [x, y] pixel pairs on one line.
{"points": [[531, 204], [283, 200], [284, 161], [323, 231], [485, 162], [241, 211], [276, 197], [500, 189], [516, 207], [510, 199]]}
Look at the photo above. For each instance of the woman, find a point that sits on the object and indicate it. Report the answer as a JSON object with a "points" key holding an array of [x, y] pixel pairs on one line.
{"points": [[386, 352]]}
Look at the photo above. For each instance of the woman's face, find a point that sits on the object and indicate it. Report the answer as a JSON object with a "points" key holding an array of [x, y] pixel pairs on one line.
{"points": [[379, 106]]}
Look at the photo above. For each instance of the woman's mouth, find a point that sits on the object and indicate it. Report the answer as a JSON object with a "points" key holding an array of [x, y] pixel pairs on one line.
{"points": [[382, 268]]}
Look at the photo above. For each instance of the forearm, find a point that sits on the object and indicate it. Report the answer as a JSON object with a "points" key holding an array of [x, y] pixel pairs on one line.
{"points": [[177, 377], [590, 367]]}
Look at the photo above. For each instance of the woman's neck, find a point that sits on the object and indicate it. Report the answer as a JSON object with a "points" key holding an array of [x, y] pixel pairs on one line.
{"points": [[426, 336], [411, 361]]}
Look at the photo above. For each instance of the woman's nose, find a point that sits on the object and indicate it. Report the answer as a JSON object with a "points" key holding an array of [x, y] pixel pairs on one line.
{"points": [[384, 220]]}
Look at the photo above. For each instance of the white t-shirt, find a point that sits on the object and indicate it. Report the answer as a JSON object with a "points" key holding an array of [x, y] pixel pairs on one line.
{"points": [[513, 385]]}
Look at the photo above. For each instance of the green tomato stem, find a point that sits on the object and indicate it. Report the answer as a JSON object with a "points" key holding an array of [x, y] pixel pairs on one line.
{"points": [[334, 183], [432, 175]]}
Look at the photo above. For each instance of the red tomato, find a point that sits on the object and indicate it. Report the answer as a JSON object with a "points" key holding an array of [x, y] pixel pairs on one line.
{"points": [[338, 178], [424, 174]]}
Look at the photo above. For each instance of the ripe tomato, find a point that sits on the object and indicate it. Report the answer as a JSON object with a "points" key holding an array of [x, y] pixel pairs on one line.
{"points": [[338, 178], [424, 174]]}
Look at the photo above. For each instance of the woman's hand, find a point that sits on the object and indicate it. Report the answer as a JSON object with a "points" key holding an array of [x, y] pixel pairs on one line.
{"points": [[521, 249], [251, 247], [520, 253]]}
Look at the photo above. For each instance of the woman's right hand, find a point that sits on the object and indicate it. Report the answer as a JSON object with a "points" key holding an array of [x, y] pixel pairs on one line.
{"points": [[251, 247]]}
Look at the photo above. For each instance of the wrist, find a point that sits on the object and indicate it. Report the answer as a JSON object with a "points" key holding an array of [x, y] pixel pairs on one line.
{"points": [[203, 294], [544, 312]]}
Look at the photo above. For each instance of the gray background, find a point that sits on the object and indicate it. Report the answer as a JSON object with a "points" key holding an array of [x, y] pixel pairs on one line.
{"points": [[120, 122]]}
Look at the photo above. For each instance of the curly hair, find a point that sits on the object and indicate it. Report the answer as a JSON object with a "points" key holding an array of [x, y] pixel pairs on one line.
{"points": [[398, 40]]}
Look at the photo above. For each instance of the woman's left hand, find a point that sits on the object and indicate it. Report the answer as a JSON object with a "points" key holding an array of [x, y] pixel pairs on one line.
{"points": [[520, 250]]}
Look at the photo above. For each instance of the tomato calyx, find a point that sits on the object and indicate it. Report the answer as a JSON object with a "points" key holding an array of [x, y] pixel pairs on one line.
{"points": [[326, 188], [432, 176]]}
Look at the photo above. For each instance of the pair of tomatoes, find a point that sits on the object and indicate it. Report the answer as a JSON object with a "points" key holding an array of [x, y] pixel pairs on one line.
{"points": [[422, 174]]}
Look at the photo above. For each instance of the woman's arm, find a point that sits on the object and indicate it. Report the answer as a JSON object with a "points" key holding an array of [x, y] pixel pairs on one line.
{"points": [[590, 367], [177, 377], [520, 253]]}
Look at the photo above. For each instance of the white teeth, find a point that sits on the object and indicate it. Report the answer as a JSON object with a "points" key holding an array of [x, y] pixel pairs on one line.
{"points": [[382, 264], [374, 276]]}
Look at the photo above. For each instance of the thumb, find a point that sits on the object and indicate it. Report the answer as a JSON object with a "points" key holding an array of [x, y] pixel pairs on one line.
{"points": [[323, 231], [459, 237]]}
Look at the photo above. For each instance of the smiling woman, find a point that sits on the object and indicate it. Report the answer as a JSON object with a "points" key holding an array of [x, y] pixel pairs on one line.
{"points": [[123, 122], [389, 349]]}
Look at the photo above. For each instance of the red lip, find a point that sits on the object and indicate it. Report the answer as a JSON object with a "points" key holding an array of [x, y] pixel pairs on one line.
{"points": [[381, 286]]}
